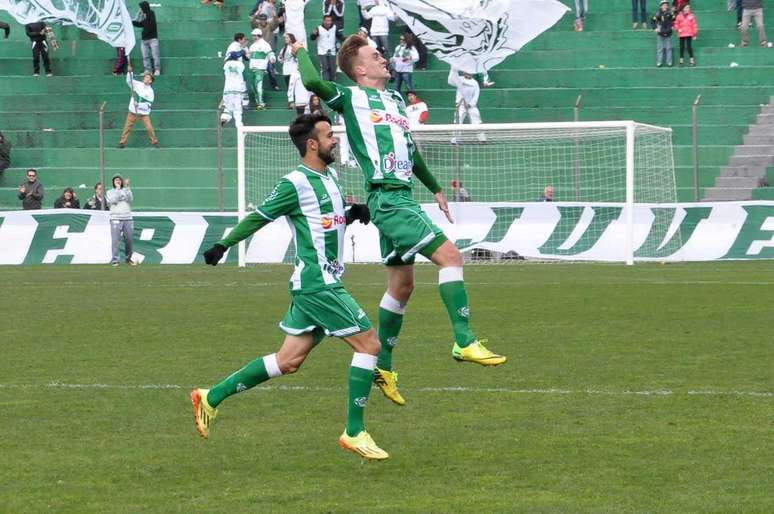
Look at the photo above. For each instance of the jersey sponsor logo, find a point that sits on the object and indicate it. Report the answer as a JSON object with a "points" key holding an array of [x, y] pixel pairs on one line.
{"points": [[333, 268], [381, 116], [390, 163], [361, 401], [330, 221]]}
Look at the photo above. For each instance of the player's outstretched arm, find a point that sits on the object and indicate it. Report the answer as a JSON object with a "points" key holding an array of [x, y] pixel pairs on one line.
{"points": [[312, 81], [283, 200], [252, 223]]}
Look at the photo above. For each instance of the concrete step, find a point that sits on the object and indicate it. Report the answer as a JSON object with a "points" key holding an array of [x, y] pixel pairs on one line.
{"points": [[751, 160], [765, 119], [743, 171], [761, 130], [737, 182], [716, 194], [758, 139], [754, 150]]}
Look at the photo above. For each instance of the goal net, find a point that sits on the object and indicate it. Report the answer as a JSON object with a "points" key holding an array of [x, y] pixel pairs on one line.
{"points": [[570, 191]]}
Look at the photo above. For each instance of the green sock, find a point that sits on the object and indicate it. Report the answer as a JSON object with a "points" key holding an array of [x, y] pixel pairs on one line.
{"points": [[455, 298], [257, 371], [361, 376], [390, 322]]}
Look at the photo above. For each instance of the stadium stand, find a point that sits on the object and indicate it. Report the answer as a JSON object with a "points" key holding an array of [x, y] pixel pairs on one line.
{"points": [[52, 122]]}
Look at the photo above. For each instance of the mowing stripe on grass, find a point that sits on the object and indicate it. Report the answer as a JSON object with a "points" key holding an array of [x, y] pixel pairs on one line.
{"points": [[448, 389]]}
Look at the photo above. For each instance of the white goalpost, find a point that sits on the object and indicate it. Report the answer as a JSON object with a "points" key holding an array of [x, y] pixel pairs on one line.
{"points": [[598, 171]]}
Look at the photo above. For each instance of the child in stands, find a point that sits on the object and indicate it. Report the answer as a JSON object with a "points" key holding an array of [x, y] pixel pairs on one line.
{"points": [[687, 30]]}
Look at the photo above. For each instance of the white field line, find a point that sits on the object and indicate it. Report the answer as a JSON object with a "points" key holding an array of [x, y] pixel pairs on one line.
{"points": [[449, 389], [354, 285]]}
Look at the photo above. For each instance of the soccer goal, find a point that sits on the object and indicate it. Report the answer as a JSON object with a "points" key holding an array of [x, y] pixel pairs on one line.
{"points": [[567, 191]]}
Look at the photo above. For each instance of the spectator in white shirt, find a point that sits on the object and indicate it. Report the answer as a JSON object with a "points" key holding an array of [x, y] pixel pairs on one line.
{"points": [[234, 88], [139, 106], [403, 63], [294, 19], [289, 64], [326, 36], [416, 110], [466, 99], [381, 16], [335, 8], [361, 6]]}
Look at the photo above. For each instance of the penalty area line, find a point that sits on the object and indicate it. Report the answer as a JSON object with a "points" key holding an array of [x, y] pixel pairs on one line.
{"points": [[447, 389]]}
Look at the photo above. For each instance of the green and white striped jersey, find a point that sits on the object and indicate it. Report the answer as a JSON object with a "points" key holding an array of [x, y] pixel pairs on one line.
{"points": [[314, 206], [377, 131]]}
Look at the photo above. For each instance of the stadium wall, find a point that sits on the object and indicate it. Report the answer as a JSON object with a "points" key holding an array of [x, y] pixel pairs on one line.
{"points": [[565, 231]]}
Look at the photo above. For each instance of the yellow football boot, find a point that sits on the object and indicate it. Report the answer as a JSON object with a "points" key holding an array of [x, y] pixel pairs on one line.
{"points": [[477, 352], [363, 445], [203, 413], [388, 383]]}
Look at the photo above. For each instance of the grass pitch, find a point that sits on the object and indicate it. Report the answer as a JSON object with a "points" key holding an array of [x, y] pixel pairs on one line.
{"points": [[644, 389]]}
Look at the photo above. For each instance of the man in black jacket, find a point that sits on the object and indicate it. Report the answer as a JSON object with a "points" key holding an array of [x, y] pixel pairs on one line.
{"points": [[98, 201], [150, 39], [31, 192], [37, 34]]}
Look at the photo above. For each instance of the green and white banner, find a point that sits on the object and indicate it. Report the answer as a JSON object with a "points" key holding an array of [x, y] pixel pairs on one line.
{"points": [[562, 230], [109, 20], [476, 35]]}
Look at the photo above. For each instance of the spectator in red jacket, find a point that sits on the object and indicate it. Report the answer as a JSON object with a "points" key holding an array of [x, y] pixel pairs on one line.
{"points": [[416, 111], [687, 30]]}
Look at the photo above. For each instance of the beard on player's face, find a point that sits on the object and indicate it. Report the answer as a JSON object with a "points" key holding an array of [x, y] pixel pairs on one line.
{"points": [[326, 154]]}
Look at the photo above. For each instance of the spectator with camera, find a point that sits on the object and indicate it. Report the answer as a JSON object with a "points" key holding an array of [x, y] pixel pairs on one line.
{"points": [[98, 201]]}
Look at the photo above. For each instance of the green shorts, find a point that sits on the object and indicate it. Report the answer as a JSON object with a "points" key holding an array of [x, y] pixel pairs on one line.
{"points": [[328, 312], [404, 228]]}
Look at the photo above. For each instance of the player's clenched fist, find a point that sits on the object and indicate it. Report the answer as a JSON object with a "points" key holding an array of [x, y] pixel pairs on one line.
{"points": [[360, 212], [214, 254]]}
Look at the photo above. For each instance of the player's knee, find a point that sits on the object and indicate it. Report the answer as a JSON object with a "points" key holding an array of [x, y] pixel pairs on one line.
{"points": [[451, 257], [371, 345], [291, 365], [406, 289]]}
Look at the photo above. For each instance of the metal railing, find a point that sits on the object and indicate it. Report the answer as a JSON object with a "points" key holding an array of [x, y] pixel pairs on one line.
{"points": [[695, 139]]}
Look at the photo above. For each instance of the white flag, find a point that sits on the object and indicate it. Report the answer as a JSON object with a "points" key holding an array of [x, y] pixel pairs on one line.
{"points": [[475, 35], [108, 19]]}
